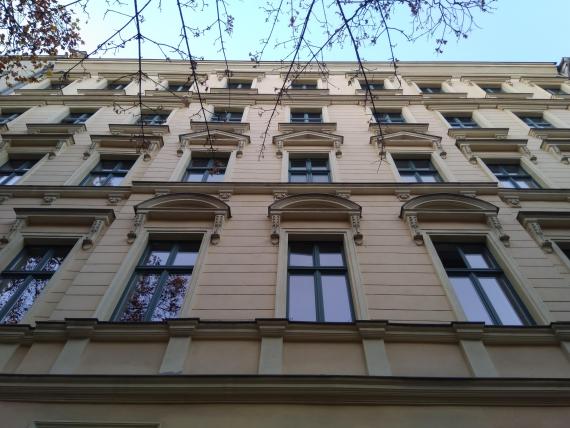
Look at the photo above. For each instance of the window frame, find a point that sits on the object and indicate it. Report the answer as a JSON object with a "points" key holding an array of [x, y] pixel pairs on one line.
{"points": [[494, 271], [309, 158], [229, 116], [205, 173], [526, 174], [77, 118], [414, 169], [163, 273], [239, 84], [535, 121], [30, 275], [115, 172], [308, 116], [304, 85], [154, 121], [9, 116], [316, 271], [429, 89], [15, 172], [455, 121]]}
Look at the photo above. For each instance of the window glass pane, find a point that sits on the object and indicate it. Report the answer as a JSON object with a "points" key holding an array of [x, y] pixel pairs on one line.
{"points": [[469, 299], [115, 181], [408, 178], [330, 256], [95, 180], [139, 299], [215, 176], [25, 301], [194, 176], [505, 182], [9, 287], [171, 297], [428, 178], [185, 257], [55, 261], [30, 259], [301, 255], [319, 163], [500, 301], [298, 163], [450, 257], [200, 162], [422, 163], [477, 261], [298, 178], [157, 256], [320, 178], [302, 298], [336, 300]]}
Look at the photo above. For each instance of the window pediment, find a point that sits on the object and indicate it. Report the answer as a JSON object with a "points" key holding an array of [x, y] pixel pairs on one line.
{"points": [[181, 206], [219, 137], [125, 144], [51, 144], [308, 138], [450, 207], [315, 206], [537, 224]]}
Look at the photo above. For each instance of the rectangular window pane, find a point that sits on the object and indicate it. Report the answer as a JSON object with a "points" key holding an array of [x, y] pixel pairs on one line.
{"points": [[194, 176], [298, 178], [336, 299], [501, 303], [330, 256], [171, 297], [302, 298], [320, 178], [8, 288], [185, 257], [476, 261], [469, 300], [139, 300], [25, 301], [301, 255], [158, 256]]}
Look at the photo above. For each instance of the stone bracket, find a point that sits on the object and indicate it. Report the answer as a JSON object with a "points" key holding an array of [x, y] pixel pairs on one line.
{"points": [[495, 224], [524, 150], [412, 222], [216, 232], [14, 229], [355, 223], [275, 228], [534, 229], [138, 223], [94, 232]]}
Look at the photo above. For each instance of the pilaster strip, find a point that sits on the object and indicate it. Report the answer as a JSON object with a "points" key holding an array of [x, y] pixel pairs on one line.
{"points": [[271, 352], [70, 356], [375, 354], [470, 340]]}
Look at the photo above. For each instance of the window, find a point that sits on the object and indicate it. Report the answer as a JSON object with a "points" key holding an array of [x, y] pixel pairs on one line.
{"points": [[417, 171], [226, 116], [431, 89], [482, 289], [77, 118], [389, 117], [309, 170], [303, 85], [25, 278], [536, 121], [117, 86], [160, 282], [58, 84], [179, 87], [13, 170], [207, 169], [555, 90], [108, 173], [153, 119], [493, 89], [372, 85], [318, 288], [306, 117], [461, 122], [513, 176], [8, 117], [239, 84]]}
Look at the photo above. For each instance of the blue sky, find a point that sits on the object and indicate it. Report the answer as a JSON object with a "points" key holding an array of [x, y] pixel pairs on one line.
{"points": [[519, 30]]}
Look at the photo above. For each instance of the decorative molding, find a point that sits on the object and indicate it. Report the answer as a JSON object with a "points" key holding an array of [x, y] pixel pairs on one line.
{"points": [[534, 229], [511, 200], [275, 228], [536, 221], [225, 195], [50, 198], [279, 151], [114, 198], [308, 138], [136, 227], [343, 193], [4, 196], [217, 230], [279, 194], [16, 227], [94, 232], [524, 150], [468, 153], [355, 223], [402, 195], [495, 224], [412, 222]]}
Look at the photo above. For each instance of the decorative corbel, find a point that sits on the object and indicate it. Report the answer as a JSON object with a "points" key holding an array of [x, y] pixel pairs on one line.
{"points": [[337, 149], [94, 232], [90, 150], [136, 228], [343, 194], [216, 232], [536, 232], [509, 82], [495, 224], [15, 228], [279, 152], [50, 198], [402, 195], [439, 148], [355, 223], [225, 195], [511, 200], [412, 221], [240, 147], [524, 150], [279, 194], [275, 228], [180, 150], [563, 158], [468, 193], [60, 145], [4, 197], [468, 153], [114, 198]]}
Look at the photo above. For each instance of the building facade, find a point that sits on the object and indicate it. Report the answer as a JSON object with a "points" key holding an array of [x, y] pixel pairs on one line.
{"points": [[214, 257]]}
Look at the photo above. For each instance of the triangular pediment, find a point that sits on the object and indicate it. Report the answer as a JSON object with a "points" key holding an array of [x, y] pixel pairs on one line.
{"points": [[407, 138], [308, 137], [215, 136]]}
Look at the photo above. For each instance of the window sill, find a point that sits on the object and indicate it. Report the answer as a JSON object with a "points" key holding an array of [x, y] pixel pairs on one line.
{"points": [[55, 128], [390, 128], [136, 129], [467, 133], [550, 132], [235, 127], [101, 92]]}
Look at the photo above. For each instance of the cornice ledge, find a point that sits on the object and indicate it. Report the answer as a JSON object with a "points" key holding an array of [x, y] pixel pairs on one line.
{"points": [[26, 191], [285, 389]]}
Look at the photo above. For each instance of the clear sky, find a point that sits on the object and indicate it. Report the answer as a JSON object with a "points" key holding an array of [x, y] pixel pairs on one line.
{"points": [[518, 30]]}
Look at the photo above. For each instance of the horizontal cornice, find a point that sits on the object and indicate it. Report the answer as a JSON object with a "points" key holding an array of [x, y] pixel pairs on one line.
{"points": [[284, 389]]}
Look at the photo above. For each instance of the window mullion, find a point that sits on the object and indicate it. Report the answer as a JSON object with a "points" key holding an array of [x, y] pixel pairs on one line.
{"points": [[157, 293], [12, 300]]}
